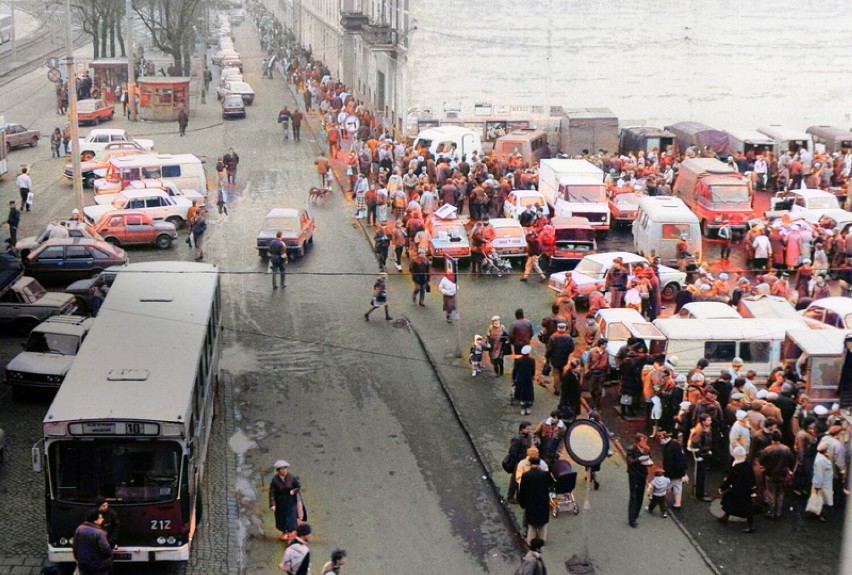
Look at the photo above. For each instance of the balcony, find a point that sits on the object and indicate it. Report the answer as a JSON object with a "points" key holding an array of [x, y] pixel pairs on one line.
{"points": [[353, 21], [380, 37]]}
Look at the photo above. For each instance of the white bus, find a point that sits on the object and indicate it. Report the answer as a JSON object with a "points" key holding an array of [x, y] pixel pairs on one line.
{"points": [[132, 419]]}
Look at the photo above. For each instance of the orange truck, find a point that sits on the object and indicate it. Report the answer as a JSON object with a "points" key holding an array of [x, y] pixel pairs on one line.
{"points": [[716, 193]]}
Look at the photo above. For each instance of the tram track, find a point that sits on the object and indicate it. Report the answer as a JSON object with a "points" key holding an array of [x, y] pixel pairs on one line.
{"points": [[30, 55]]}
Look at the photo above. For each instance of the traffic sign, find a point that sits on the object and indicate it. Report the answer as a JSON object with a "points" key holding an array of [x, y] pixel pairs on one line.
{"points": [[352, 123], [54, 75]]}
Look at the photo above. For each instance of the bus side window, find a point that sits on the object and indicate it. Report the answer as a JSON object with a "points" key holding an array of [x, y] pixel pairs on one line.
{"points": [[720, 351], [754, 351]]}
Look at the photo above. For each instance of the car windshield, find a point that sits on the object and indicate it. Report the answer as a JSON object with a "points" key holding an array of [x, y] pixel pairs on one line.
{"points": [[825, 203], [61, 343], [617, 332], [590, 267], [509, 232], [626, 200], [33, 291], [121, 471], [450, 231], [592, 194], [729, 194], [281, 224]]}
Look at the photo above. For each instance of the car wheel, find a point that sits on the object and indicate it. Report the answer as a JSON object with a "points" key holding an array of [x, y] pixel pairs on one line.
{"points": [[112, 241], [670, 291], [34, 142], [164, 242], [89, 182], [178, 223], [25, 325]]}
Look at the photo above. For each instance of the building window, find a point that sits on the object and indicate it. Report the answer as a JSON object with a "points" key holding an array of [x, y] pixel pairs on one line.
{"points": [[380, 90]]}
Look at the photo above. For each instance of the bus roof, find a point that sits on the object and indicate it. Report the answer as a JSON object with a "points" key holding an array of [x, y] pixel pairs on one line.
{"points": [[142, 160], [140, 359], [782, 133], [667, 209], [726, 329]]}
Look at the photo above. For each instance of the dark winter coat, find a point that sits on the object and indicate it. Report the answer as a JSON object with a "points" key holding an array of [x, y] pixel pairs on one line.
{"points": [[523, 374], [559, 349], [571, 393], [737, 488], [534, 497], [92, 550], [674, 463]]}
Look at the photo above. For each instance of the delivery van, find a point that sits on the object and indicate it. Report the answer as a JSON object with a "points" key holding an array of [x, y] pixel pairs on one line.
{"points": [[833, 139], [449, 141], [659, 225], [184, 170], [575, 188], [758, 342], [716, 193], [786, 139], [531, 144]]}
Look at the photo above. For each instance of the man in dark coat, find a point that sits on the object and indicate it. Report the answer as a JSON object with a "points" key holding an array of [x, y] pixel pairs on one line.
{"points": [[517, 451], [777, 461], [521, 331], [110, 524], [638, 461], [674, 466], [284, 499], [420, 270], [560, 346], [534, 497], [92, 550], [523, 377]]}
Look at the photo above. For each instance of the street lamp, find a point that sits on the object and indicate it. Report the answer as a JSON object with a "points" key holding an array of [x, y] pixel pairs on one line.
{"points": [[72, 106]]}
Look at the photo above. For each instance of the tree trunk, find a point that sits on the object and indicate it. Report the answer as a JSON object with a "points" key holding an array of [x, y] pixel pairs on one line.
{"points": [[96, 53], [112, 37], [103, 37], [120, 40]]}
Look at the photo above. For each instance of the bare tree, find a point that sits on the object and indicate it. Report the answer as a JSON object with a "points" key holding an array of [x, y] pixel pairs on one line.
{"points": [[171, 24]]}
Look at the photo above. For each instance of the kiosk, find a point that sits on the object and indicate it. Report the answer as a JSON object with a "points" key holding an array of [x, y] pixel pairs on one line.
{"points": [[161, 98]]}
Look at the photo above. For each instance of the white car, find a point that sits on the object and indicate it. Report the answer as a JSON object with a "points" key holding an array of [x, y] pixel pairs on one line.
{"points": [[156, 203], [590, 274], [809, 205], [98, 139], [235, 87], [169, 187], [230, 74], [520, 200], [832, 311], [509, 238], [620, 324]]}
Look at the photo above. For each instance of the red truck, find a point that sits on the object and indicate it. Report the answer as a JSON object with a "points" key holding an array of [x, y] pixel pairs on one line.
{"points": [[716, 193]]}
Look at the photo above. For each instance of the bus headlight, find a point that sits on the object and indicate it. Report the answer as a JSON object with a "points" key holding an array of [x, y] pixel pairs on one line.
{"points": [[171, 540], [63, 541], [161, 540]]}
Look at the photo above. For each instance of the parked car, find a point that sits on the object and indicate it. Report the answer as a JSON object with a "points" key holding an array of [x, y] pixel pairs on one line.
{"points": [[519, 200], [48, 354], [590, 274], [24, 303], [230, 75], [834, 311], [129, 227], [60, 229], [297, 228], [233, 106], [449, 238], [81, 290], [575, 239], [96, 167], [100, 138], [509, 238], [618, 325], [810, 205], [94, 111], [17, 136], [168, 186], [72, 258], [236, 87], [623, 208], [157, 203]]}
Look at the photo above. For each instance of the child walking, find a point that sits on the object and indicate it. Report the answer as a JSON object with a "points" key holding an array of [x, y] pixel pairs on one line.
{"points": [[658, 488], [477, 350]]}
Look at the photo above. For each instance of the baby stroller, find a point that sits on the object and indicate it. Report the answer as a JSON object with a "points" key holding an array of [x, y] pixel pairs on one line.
{"points": [[492, 263], [562, 490]]}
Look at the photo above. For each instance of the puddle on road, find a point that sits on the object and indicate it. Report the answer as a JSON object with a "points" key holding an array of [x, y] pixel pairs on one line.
{"points": [[239, 360]]}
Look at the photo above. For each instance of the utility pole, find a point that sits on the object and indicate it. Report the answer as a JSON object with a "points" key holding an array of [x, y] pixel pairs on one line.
{"points": [[131, 62], [12, 35], [72, 106]]}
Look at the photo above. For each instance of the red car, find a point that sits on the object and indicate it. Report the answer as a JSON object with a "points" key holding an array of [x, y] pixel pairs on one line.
{"points": [[94, 111], [126, 227]]}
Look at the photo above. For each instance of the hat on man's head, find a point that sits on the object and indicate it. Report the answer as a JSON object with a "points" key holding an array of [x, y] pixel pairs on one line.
{"points": [[280, 464]]}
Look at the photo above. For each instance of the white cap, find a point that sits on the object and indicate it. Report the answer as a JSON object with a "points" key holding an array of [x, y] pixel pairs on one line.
{"points": [[737, 395], [820, 410], [741, 414], [280, 464], [739, 452], [762, 394], [771, 396], [685, 405], [526, 350]]}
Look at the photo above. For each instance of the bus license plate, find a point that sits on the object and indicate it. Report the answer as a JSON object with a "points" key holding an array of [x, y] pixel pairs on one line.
{"points": [[121, 557]]}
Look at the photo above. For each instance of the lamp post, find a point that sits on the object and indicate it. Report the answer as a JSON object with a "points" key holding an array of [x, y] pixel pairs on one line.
{"points": [[72, 107], [131, 62]]}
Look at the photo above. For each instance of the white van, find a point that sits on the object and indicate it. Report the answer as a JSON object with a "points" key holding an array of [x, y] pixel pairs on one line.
{"points": [[786, 139], [449, 141], [530, 143], [184, 170], [659, 224], [758, 342]]}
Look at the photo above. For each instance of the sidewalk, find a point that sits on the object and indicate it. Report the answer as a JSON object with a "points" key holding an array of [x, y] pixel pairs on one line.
{"points": [[601, 528]]}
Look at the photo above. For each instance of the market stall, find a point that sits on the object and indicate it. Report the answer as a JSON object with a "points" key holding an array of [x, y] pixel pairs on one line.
{"points": [[161, 98]]}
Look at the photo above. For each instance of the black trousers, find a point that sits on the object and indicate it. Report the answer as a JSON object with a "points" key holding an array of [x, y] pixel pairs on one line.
{"points": [[700, 472], [637, 488]]}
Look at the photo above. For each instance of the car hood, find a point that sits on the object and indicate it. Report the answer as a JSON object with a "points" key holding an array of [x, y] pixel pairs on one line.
{"points": [[146, 144], [105, 199], [81, 286], [94, 213], [41, 363], [56, 299]]}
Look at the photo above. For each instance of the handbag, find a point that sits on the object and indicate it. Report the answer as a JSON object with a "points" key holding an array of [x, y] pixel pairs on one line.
{"points": [[507, 464], [546, 369], [815, 503]]}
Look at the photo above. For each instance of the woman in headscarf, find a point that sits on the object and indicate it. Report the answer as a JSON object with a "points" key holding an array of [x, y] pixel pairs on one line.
{"points": [[737, 489], [284, 499], [498, 339], [523, 375]]}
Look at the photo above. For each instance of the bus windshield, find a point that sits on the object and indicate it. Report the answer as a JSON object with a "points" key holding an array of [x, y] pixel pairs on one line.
{"points": [[121, 471], [592, 194], [729, 194]]}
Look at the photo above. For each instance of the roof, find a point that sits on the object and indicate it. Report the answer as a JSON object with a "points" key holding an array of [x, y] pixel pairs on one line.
{"points": [[707, 165], [667, 209], [142, 192], [162, 80], [168, 312], [608, 257], [622, 314], [589, 113], [526, 193], [282, 213], [751, 136], [109, 131], [839, 305], [521, 134], [690, 127], [570, 221], [149, 159], [769, 306], [711, 309], [580, 180], [823, 342], [66, 324], [449, 130], [505, 223], [572, 166], [726, 329], [779, 132], [830, 132], [809, 193], [648, 131]]}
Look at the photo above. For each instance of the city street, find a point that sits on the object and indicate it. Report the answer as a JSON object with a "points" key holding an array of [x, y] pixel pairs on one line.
{"points": [[397, 447]]}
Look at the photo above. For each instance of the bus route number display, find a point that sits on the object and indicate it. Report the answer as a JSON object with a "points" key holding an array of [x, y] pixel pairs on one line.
{"points": [[114, 428]]}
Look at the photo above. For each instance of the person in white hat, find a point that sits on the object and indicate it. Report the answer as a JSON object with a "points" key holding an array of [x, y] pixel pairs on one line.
{"points": [[285, 499], [523, 376], [737, 489], [740, 433]]}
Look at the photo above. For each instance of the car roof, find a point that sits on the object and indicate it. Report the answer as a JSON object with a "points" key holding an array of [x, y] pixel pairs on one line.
{"points": [[505, 223], [608, 257], [113, 213], [726, 329], [571, 221], [711, 309], [66, 324], [282, 213], [527, 193], [821, 343], [667, 209], [810, 193], [143, 192], [110, 131], [839, 305], [70, 242], [622, 314]]}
